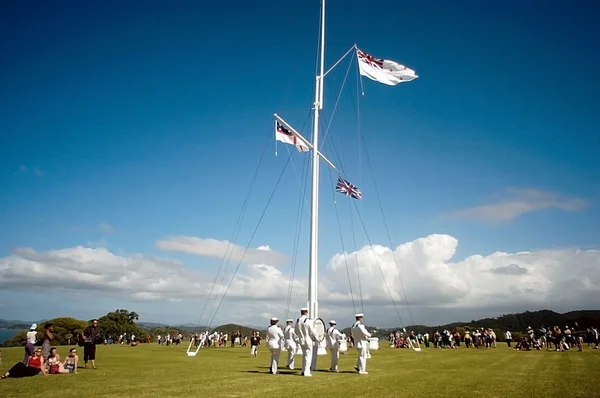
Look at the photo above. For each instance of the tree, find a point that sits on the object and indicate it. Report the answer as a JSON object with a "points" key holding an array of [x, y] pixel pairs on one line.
{"points": [[119, 322], [63, 327]]}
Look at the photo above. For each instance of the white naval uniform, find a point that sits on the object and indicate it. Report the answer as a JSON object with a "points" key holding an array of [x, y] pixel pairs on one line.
{"points": [[307, 336], [333, 343], [361, 336], [290, 345], [274, 337]]}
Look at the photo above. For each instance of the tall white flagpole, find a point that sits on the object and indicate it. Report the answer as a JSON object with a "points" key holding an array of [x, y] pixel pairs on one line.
{"points": [[313, 305]]}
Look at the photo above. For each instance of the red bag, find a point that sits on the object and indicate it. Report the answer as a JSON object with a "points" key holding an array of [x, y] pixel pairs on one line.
{"points": [[54, 369]]}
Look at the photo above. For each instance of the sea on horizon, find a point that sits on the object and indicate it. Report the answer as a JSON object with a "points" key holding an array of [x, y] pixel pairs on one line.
{"points": [[6, 334]]}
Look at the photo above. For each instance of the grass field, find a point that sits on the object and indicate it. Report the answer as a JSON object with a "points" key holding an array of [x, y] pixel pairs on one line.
{"points": [[159, 371]]}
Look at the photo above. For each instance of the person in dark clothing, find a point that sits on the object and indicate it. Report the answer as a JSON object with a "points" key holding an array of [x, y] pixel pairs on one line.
{"points": [[35, 365], [91, 334]]}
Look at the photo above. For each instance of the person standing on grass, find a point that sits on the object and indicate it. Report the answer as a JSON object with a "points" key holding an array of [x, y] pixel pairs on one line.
{"points": [[254, 342], [90, 335], [290, 342], [333, 343], [274, 342], [361, 337], [48, 337], [507, 337], [30, 346]]}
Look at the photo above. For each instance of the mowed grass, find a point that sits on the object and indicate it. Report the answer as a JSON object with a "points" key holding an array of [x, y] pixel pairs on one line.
{"points": [[159, 371]]}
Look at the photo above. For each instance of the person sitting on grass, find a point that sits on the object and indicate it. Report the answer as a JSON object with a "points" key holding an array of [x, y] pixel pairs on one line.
{"points": [[70, 363], [55, 366], [35, 365]]}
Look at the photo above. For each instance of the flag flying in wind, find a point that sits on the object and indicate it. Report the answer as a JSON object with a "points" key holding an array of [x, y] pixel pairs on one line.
{"points": [[348, 189], [383, 70], [284, 135]]}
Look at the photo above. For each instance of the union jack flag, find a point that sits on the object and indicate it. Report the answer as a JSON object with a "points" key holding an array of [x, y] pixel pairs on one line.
{"points": [[369, 59], [347, 189]]}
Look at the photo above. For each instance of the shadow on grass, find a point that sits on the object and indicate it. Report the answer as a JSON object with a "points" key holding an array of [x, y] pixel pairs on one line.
{"points": [[288, 373]]}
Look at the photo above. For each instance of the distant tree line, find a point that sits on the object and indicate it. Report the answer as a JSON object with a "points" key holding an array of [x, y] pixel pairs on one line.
{"points": [[69, 331]]}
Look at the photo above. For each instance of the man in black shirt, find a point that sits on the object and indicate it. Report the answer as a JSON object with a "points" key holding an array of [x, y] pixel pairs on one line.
{"points": [[90, 335], [254, 343]]}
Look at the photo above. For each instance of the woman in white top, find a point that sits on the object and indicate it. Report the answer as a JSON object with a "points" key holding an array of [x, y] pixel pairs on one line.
{"points": [[30, 346]]}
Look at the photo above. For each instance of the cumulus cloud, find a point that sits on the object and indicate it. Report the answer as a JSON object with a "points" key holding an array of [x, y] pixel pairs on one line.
{"points": [[432, 281], [144, 278], [221, 248], [518, 202]]}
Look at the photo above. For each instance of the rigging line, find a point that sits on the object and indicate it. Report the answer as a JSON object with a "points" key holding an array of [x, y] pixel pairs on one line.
{"points": [[387, 230], [340, 60], [296, 240], [362, 307], [334, 150], [289, 152], [379, 266], [362, 140], [301, 202], [237, 225], [358, 79], [337, 101], [228, 261], [337, 216], [251, 238]]}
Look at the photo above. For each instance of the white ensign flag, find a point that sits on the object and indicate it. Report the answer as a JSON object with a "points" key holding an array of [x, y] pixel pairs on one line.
{"points": [[383, 70], [284, 135]]}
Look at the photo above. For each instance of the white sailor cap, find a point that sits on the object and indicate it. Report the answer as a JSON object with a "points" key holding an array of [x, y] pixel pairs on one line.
{"points": [[33, 326], [332, 322], [289, 320], [274, 318], [359, 315], [304, 309]]}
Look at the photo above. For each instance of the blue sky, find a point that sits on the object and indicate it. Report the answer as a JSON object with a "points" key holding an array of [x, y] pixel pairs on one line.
{"points": [[125, 124]]}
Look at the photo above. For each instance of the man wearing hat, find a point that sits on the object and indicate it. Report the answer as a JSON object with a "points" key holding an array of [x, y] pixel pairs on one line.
{"points": [[306, 335], [290, 342], [361, 336], [274, 337], [30, 346], [333, 343]]}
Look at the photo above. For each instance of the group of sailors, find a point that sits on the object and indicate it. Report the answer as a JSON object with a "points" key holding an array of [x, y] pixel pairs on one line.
{"points": [[304, 335]]}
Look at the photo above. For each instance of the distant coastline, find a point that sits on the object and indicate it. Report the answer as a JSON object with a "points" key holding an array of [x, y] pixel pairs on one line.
{"points": [[6, 334]]}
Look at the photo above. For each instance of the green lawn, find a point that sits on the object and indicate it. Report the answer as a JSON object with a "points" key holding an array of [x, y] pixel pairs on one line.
{"points": [[158, 371]]}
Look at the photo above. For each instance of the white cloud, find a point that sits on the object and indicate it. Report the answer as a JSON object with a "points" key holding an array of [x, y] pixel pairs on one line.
{"points": [[504, 282], [24, 170], [219, 249], [518, 202], [106, 227]]}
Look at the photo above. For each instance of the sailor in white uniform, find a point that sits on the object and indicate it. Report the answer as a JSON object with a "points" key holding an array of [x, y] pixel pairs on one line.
{"points": [[333, 343], [361, 342], [274, 340], [306, 336], [290, 342]]}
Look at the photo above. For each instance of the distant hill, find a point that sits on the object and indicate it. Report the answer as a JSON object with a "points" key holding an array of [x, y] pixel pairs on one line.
{"points": [[232, 327], [159, 328], [11, 324], [513, 322]]}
